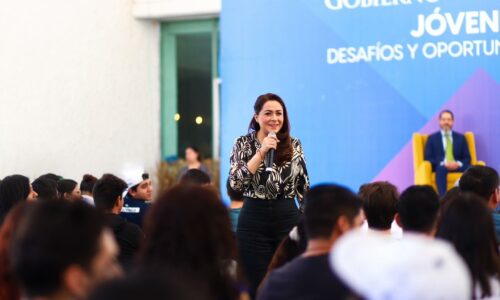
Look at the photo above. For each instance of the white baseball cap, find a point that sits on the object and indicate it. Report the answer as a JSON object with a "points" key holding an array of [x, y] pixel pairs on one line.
{"points": [[413, 268], [134, 175]]}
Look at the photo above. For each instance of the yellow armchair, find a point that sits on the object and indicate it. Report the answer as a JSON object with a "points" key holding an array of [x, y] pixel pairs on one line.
{"points": [[423, 169]]}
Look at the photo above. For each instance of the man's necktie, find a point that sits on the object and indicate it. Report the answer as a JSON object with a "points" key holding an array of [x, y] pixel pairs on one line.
{"points": [[449, 148]]}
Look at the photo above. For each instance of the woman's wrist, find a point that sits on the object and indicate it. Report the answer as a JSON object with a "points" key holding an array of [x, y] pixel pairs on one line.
{"points": [[259, 151]]}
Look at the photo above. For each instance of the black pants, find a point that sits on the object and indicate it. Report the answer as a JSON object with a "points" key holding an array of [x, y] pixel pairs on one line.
{"points": [[262, 225]]}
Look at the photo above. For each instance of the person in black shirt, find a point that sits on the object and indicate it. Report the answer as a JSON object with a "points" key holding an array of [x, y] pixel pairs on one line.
{"points": [[108, 198], [329, 212]]}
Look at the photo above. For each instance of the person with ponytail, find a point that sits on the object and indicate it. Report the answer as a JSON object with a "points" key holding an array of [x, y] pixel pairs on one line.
{"points": [[269, 209], [68, 190]]}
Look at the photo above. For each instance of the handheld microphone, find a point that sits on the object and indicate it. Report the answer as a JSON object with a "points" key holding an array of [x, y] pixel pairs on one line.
{"points": [[269, 159]]}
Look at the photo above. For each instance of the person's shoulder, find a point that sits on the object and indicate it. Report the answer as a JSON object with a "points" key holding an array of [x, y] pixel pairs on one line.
{"points": [[131, 202], [304, 276], [133, 230], [280, 281], [245, 138], [114, 221], [132, 226], [458, 134], [290, 269], [435, 135], [433, 138], [205, 168], [296, 143]]}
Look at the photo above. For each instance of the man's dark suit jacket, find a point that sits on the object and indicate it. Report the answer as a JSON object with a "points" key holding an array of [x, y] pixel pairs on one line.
{"points": [[434, 149]]}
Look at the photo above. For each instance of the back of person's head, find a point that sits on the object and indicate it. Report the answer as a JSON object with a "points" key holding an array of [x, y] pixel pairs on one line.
{"points": [[416, 267], [57, 242], [188, 228], [107, 190], [195, 176], [418, 209], [51, 176], [324, 205], [233, 195], [87, 183], [65, 186], [153, 284], [468, 225], [45, 188], [14, 189], [481, 180], [380, 201], [450, 195]]}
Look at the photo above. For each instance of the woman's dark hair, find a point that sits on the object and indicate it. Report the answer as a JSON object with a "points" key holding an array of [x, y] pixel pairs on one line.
{"points": [[188, 228], [14, 189], [468, 225], [45, 188], [285, 151], [87, 184], [51, 176], [65, 186], [199, 156]]}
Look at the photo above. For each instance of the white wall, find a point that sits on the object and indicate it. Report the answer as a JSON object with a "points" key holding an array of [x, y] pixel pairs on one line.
{"points": [[176, 9], [79, 88]]}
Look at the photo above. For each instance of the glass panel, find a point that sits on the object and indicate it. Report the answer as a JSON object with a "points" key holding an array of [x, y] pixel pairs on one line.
{"points": [[194, 91]]}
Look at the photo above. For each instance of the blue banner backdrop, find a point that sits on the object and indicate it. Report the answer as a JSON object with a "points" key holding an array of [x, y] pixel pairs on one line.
{"points": [[360, 76]]}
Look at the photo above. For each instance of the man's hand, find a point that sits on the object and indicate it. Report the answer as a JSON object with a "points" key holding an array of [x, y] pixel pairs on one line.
{"points": [[452, 166]]}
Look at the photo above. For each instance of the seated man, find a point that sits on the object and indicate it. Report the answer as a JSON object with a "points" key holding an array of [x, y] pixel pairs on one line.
{"points": [[418, 210], [62, 250], [329, 212], [380, 203], [447, 151], [108, 198], [484, 182], [138, 197]]}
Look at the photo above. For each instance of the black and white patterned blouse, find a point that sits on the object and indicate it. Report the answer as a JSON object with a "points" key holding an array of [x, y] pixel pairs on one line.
{"points": [[287, 181]]}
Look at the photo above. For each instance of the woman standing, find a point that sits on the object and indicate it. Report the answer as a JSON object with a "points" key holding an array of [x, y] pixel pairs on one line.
{"points": [[194, 161], [269, 210]]}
